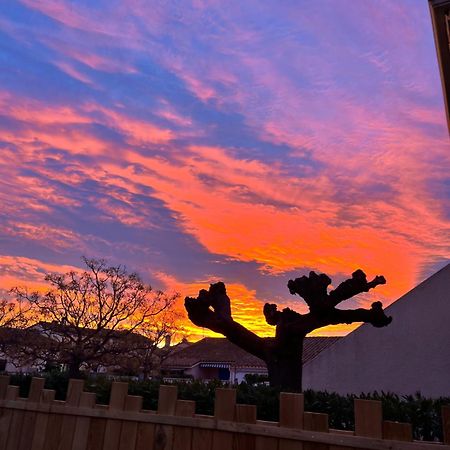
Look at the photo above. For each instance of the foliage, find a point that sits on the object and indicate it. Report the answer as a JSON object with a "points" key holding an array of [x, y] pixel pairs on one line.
{"points": [[423, 413]]}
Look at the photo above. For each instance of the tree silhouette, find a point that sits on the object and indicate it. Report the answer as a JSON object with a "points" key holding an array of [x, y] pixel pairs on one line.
{"points": [[283, 353], [92, 316]]}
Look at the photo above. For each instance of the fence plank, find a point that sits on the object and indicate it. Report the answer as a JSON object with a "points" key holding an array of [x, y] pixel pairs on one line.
{"points": [[145, 434], [224, 409], [397, 431], [74, 391], [81, 434], [53, 432], [291, 416], [128, 433], [445, 412], [34, 396], [315, 422], [11, 393], [182, 438], [40, 426], [245, 414], [265, 442], [202, 439], [96, 432], [368, 418], [167, 402], [4, 383], [119, 392]]}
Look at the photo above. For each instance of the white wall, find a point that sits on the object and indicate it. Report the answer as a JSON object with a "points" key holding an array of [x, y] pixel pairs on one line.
{"points": [[411, 354]]}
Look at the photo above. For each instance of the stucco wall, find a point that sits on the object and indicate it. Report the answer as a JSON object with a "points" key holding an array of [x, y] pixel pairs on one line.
{"points": [[411, 354]]}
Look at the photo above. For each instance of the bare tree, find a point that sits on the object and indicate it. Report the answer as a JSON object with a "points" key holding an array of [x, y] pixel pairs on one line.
{"points": [[13, 314], [283, 353], [154, 346], [88, 317]]}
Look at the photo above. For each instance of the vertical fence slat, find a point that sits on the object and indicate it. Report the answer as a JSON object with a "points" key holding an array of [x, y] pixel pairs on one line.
{"points": [[54, 424], [128, 433], [397, 431], [368, 418], [74, 391], [265, 442], [167, 403], [145, 435], [224, 408], [445, 411], [12, 392], [245, 414], [291, 416], [202, 439], [96, 432], [29, 420], [81, 434], [4, 383], [15, 427], [119, 392], [315, 422], [182, 438], [9, 393], [42, 418]]}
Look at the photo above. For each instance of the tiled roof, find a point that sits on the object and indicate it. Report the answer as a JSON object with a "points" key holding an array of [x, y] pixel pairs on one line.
{"points": [[222, 350]]}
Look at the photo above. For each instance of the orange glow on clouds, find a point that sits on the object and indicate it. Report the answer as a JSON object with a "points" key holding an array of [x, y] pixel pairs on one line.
{"points": [[223, 144]]}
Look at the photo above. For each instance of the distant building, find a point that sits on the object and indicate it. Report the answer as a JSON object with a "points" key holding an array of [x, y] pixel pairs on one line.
{"points": [[411, 354], [218, 358]]}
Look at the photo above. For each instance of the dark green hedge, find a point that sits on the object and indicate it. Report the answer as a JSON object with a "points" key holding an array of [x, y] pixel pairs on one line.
{"points": [[423, 413]]}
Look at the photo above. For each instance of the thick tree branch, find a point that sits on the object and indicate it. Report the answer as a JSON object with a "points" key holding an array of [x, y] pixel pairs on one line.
{"points": [[211, 309]]}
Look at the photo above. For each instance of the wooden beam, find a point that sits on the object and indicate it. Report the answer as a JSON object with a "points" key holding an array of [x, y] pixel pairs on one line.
{"points": [[440, 17]]}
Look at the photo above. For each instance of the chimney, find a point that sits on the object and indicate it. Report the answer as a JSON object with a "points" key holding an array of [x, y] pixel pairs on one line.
{"points": [[167, 341]]}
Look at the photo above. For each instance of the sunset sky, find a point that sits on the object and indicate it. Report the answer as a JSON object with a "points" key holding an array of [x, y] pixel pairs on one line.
{"points": [[243, 141]]}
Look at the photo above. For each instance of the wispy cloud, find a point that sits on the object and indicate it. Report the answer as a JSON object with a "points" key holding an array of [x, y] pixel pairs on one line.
{"points": [[247, 141]]}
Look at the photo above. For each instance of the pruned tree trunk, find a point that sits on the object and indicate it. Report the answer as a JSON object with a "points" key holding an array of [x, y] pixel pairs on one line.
{"points": [[283, 354]]}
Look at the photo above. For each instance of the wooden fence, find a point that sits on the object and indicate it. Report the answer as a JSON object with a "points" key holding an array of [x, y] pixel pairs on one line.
{"points": [[40, 422]]}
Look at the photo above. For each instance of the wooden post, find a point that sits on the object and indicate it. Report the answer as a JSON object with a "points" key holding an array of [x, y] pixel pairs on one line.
{"points": [[74, 391], [397, 431], [368, 418], [119, 392], [291, 416], [145, 434], [34, 396], [245, 414], [167, 402], [9, 393], [4, 383], [128, 433], [182, 437], [315, 422], [40, 425], [445, 411], [15, 425], [224, 408], [54, 423], [81, 434]]}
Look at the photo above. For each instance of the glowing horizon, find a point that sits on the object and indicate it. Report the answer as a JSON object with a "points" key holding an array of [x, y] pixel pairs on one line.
{"points": [[250, 143]]}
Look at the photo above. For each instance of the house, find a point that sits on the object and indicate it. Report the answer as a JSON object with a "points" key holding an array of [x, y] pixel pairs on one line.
{"points": [[47, 345], [411, 354], [218, 358]]}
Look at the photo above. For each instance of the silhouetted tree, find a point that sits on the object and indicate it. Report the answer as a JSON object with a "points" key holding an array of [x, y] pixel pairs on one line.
{"points": [[92, 317], [283, 353]]}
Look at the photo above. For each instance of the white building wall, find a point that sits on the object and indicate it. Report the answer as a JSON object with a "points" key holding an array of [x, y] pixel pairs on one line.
{"points": [[411, 354]]}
